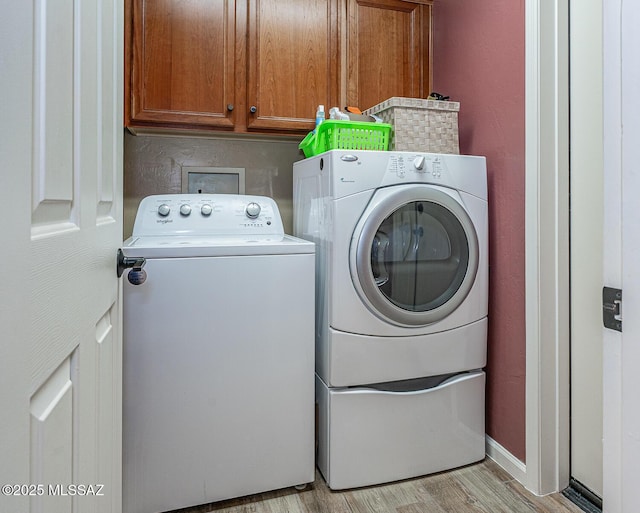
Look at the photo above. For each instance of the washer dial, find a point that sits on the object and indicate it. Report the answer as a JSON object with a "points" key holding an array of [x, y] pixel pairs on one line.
{"points": [[206, 209], [164, 210], [252, 210], [185, 209]]}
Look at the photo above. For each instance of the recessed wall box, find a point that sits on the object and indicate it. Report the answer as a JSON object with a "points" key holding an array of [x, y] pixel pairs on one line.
{"points": [[213, 180]]}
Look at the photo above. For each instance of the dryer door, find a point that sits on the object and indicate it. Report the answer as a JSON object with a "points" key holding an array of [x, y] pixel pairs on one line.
{"points": [[414, 254]]}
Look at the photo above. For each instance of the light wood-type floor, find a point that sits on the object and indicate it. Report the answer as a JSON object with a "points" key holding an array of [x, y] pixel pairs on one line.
{"points": [[480, 488]]}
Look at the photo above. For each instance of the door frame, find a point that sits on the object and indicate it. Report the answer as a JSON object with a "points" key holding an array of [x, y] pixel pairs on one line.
{"points": [[621, 353], [613, 478], [547, 250]]}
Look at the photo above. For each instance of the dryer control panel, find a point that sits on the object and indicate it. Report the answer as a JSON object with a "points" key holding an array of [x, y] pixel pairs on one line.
{"points": [[430, 166], [207, 214]]}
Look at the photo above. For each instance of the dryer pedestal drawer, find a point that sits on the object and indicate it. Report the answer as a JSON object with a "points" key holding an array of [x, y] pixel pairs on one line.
{"points": [[369, 436]]}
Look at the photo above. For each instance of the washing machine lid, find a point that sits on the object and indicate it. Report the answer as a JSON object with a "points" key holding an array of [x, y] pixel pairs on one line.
{"points": [[414, 254], [208, 246]]}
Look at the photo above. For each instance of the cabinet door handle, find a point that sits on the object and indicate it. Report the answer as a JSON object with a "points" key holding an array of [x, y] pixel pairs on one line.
{"points": [[229, 107], [253, 109]]}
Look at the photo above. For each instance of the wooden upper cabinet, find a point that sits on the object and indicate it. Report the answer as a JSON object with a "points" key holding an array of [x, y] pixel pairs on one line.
{"points": [[293, 62], [181, 63], [388, 50], [265, 65]]}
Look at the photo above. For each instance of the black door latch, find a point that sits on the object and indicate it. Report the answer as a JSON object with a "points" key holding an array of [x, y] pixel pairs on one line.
{"points": [[612, 308]]}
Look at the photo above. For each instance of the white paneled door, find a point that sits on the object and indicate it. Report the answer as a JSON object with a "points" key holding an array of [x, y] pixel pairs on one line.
{"points": [[621, 433], [61, 200]]}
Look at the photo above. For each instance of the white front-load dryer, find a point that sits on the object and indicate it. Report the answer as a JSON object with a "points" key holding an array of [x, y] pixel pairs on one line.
{"points": [[401, 310], [402, 262]]}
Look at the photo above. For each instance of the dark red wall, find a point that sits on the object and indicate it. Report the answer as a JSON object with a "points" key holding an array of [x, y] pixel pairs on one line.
{"points": [[479, 60]]}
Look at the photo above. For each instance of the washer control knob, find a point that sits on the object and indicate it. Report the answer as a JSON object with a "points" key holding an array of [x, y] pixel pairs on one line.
{"points": [[418, 163], [164, 210], [206, 210], [252, 210], [185, 209]]}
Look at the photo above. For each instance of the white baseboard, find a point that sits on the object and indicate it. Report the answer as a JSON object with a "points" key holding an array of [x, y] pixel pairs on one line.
{"points": [[506, 460]]}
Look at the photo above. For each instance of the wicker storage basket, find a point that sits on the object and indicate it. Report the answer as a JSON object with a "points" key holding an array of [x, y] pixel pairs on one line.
{"points": [[420, 125]]}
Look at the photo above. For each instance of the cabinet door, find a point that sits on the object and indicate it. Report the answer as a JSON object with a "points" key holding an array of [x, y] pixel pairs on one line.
{"points": [[388, 46], [293, 62], [182, 62]]}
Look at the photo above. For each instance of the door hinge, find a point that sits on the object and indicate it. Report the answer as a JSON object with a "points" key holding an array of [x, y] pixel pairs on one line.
{"points": [[612, 308]]}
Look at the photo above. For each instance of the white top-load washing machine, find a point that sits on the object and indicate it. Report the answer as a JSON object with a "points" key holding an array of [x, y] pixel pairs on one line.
{"points": [[218, 352], [401, 310]]}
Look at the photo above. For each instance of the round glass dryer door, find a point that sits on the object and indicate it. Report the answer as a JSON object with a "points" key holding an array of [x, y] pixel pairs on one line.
{"points": [[416, 255]]}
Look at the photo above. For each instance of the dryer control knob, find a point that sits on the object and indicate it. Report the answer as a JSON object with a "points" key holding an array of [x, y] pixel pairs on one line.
{"points": [[418, 163], [252, 210], [185, 209], [164, 210], [206, 210]]}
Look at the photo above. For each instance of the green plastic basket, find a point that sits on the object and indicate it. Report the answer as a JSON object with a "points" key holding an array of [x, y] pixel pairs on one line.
{"points": [[346, 135]]}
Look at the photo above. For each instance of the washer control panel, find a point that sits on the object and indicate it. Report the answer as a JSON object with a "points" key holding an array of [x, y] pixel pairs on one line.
{"points": [[207, 214]]}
